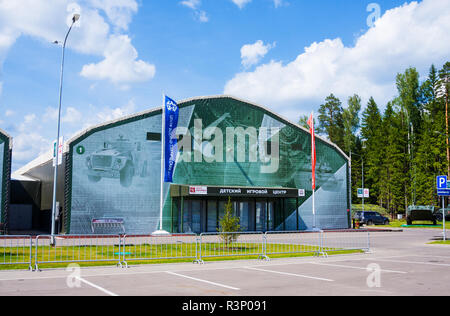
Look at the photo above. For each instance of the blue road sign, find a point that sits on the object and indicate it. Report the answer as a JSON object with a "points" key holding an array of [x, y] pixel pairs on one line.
{"points": [[443, 192], [443, 186], [442, 182]]}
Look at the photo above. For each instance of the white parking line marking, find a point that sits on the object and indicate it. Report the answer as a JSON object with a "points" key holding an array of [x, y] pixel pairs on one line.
{"points": [[97, 287], [429, 256], [415, 262], [290, 274], [353, 267], [204, 281]]}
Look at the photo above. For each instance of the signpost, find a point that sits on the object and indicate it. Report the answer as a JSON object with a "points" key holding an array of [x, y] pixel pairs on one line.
{"points": [[363, 193], [58, 148], [443, 189]]}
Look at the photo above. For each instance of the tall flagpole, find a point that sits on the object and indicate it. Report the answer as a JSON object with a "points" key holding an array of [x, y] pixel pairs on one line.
{"points": [[313, 145], [313, 167], [161, 200], [163, 142]]}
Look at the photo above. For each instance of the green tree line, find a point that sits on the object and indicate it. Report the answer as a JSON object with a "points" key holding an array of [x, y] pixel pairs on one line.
{"points": [[402, 147]]}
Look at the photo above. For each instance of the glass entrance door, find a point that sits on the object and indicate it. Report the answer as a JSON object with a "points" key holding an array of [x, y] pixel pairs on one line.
{"points": [[244, 215], [212, 216], [260, 214], [204, 215], [270, 216], [196, 208]]}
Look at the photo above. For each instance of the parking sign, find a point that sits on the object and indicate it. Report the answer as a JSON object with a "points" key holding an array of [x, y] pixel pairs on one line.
{"points": [[442, 182], [443, 188]]}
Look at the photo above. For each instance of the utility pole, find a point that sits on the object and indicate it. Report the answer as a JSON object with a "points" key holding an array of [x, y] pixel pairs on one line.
{"points": [[75, 18]]}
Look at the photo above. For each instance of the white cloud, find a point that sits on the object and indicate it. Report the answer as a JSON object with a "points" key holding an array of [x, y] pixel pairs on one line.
{"points": [[241, 3], [193, 4], [30, 143], [251, 54], [119, 12], [120, 63], [278, 3], [200, 15], [414, 34], [9, 113], [92, 35], [109, 114]]}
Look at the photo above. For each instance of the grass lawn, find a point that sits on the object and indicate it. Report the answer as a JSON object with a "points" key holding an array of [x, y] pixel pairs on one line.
{"points": [[420, 224], [440, 242], [371, 208], [153, 254]]}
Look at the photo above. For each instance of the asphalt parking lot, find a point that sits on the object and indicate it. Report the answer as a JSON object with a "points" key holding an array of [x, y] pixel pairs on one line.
{"points": [[400, 263]]}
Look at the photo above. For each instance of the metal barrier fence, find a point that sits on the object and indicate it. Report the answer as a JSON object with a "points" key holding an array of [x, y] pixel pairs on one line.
{"points": [[293, 242], [243, 244], [77, 249], [16, 250], [19, 250], [145, 247], [333, 241]]}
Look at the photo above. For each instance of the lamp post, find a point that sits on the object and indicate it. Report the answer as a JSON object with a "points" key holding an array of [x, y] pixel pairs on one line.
{"points": [[75, 18], [443, 203], [362, 175]]}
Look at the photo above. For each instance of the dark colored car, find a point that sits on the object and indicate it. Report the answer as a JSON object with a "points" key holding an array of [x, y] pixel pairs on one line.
{"points": [[439, 216], [371, 218], [420, 213]]}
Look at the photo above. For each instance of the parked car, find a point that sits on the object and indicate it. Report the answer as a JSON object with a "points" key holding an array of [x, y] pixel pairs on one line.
{"points": [[371, 218], [420, 213], [439, 216]]}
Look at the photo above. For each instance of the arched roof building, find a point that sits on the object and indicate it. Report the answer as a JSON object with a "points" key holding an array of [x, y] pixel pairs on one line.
{"points": [[229, 148]]}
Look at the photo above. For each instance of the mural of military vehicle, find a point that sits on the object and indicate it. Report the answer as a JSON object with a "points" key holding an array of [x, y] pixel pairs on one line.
{"points": [[119, 159]]}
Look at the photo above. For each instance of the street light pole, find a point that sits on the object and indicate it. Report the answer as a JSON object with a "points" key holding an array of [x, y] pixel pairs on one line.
{"points": [[75, 18], [362, 176]]}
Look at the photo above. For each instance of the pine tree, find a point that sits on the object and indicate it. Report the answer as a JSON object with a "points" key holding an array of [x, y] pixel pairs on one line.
{"points": [[331, 120], [351, 122], [371, 133], [229, 225]]}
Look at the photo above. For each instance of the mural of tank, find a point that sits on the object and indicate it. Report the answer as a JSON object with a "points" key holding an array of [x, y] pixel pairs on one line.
{"points": [[118, 159]]}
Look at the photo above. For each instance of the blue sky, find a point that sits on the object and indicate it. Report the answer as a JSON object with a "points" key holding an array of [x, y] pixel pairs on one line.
{"points": [[286, 55]]}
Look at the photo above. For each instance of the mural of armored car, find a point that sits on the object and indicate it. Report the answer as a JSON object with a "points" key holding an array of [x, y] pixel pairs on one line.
{"points": [[118, 159]]}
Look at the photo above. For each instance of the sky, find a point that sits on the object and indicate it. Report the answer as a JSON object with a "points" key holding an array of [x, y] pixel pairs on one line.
{"points": [[122, 55]]}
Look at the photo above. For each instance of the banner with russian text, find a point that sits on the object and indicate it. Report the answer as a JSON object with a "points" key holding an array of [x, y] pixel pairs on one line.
{"points": [[170, 139]]}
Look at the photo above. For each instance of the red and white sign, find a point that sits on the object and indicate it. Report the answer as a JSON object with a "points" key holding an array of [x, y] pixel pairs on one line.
{"points": [[60, 151], [198, 190]]}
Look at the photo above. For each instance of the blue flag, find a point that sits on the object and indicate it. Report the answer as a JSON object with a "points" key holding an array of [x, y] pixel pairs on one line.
{"points": [[170, 138]]}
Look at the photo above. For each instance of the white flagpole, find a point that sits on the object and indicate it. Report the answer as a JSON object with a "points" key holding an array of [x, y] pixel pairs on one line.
{"points": [[314, 209], [314, 189], [161, 201]]}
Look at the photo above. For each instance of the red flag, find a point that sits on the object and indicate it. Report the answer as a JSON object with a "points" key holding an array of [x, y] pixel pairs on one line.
{"points": [[313, 150]]}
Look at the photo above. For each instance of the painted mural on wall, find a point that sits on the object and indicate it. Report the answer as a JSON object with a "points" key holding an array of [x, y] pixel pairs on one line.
{"points": [[115, 174], [116, 170]]}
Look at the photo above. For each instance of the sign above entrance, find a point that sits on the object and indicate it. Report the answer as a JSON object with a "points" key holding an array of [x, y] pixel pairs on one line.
{"points": [[198, 190], [245, 192]]}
